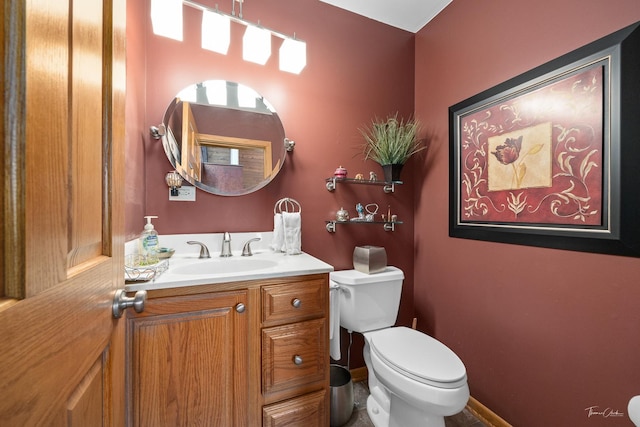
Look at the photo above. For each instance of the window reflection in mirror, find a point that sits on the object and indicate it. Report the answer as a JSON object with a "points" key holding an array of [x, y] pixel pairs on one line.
{"points": [[224, 138]]}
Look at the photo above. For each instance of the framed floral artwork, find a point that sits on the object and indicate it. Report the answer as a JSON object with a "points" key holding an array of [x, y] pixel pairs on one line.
{"points": [[551, 158]]}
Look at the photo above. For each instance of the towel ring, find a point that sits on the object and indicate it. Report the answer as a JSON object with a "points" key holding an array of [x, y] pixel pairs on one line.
{"points": [[287, 205]]}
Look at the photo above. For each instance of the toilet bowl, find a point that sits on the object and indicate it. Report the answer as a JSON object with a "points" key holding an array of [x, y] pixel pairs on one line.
{"points": [[414, 380], [417, 380]]}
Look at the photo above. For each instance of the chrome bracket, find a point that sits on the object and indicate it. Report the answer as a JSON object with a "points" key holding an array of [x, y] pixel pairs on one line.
{"points": [[331, 184], [289, 144]]}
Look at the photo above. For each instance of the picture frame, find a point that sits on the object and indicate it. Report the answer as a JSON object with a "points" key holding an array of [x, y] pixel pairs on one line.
{"points": [[551, 158]]}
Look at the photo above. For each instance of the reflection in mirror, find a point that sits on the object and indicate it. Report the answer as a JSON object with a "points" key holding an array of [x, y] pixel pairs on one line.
{"points": [[224, 138]]}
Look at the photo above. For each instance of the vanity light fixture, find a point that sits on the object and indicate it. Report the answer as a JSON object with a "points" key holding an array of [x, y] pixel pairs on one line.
{"points": [[216, 32], [256, 45], [174, 181], [166, 18], [293, 55]]}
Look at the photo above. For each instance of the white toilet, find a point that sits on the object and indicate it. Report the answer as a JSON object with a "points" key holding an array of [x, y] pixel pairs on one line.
{"points": [[414, 380]]}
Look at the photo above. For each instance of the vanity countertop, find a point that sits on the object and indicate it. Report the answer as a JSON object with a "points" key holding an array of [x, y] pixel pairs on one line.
{"points": [[185, 268]]}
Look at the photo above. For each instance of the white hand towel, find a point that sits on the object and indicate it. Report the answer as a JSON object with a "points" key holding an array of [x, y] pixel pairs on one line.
{"points": [[334, 321], [292, 222], [277, 244]]}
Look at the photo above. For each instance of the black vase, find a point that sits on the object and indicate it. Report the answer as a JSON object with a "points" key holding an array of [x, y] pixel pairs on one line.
{"points": [[392, 172]]}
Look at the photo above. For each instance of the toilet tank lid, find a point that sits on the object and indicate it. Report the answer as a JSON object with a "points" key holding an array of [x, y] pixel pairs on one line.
{"points": [[355, 277]]}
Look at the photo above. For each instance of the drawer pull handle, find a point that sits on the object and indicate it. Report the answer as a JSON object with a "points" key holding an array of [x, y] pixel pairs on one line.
{"points": [[296, 303], [240, 307], [297, 360]]}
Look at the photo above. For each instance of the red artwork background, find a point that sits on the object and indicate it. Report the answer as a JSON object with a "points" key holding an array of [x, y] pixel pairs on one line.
{"points": [[574, 105]]}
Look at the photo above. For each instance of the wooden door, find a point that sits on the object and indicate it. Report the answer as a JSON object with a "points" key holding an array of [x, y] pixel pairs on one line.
{"points": [[61, 351], [191, 155], [188, 361]]}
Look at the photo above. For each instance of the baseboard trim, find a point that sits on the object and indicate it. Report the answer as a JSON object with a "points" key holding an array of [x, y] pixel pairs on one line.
{"points": [[358, 374], [484, 414]]}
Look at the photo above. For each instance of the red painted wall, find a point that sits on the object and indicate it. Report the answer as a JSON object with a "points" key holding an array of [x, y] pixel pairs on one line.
{"points": [[545, 334], [356, 69]]}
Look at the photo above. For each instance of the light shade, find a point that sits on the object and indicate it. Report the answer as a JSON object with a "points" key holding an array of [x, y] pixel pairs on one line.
{"points": [[166, 18], [256, 45], [293, 56], [216, 30]]}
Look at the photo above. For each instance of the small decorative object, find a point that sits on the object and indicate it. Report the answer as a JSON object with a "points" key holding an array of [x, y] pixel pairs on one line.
{"points": [[394, 218], [360, 210], [164, 253], [372, 210], [359, 176], [340, 172], [174, 181], [373, 176], [391, 142], [369, 259], [342, 215]]}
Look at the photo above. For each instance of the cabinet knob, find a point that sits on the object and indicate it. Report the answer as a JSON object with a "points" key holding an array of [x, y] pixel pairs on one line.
{"points": [[297, 360], [296, 303], [240, 308]]}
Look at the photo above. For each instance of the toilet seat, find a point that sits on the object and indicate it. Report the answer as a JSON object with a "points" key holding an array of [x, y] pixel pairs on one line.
{"points": [[418, 356]]}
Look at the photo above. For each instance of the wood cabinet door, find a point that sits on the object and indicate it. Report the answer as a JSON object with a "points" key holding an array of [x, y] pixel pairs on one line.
{"points": [[188, 361], [63, 78]]}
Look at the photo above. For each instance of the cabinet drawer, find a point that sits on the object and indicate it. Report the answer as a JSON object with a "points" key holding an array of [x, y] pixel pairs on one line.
{"points": [[294, 355], [294, 301], [309, 410]]}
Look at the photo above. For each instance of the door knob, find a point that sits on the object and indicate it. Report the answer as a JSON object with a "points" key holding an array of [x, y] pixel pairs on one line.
{"points": [[121, 301]]}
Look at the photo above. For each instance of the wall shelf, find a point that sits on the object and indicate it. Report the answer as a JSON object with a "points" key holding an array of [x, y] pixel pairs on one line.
{"points": [[386, 225], [387, 187]]}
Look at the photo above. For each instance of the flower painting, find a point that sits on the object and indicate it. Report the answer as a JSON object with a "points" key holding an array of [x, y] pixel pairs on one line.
{"points": [[537, 158], [549, 157]]}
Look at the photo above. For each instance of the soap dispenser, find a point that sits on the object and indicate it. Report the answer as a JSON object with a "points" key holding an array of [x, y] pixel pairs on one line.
{"points": [[148, 243]]}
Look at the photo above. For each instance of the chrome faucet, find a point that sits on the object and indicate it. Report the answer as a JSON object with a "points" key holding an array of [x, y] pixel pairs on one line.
{"points": [[246, 249], [226, 245], [204, 251]]}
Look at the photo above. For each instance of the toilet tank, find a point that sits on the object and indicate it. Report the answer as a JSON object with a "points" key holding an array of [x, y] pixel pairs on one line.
{"points": [[368, 301]]}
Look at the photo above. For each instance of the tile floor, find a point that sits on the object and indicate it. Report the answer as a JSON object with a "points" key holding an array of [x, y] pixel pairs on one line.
{"points": [[361, 419]]}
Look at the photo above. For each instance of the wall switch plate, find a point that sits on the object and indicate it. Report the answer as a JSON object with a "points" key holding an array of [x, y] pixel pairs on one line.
{"points": [[185, 194]]}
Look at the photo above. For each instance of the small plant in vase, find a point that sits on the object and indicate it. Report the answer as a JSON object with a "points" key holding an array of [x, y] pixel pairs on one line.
{"points": [[391, 142]]}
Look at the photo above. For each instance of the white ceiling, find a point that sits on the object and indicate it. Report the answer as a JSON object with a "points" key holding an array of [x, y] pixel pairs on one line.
{"points": [[409, 15]]}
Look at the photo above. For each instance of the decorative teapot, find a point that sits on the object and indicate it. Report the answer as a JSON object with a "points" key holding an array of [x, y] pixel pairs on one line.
{"points": [[340, 172], [342, 215]]}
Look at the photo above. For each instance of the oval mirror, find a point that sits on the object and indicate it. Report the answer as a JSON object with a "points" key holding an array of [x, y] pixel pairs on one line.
{"points": [[224, 138]]}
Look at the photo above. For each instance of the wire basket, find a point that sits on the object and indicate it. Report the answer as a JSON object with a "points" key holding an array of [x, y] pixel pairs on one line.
{"points": [[138, 269]]}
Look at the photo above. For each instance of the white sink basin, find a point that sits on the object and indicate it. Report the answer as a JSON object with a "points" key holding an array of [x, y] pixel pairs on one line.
{"points": [[223, 266], [186, 269]]}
